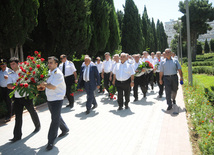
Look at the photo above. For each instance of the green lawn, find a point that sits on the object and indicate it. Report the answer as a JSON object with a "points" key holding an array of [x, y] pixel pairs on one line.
{"points": [[206, 80]]}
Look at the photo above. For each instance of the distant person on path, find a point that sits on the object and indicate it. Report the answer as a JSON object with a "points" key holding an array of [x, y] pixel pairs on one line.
{"points": [[20, 102], [99, 65], [123, 80], [168, 71], [107, 66], [55, 92], [69, 71], [89, 79], [4, 72]]}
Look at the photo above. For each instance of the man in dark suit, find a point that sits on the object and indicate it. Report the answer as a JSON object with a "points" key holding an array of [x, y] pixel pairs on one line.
{"points": [[89, 79]]}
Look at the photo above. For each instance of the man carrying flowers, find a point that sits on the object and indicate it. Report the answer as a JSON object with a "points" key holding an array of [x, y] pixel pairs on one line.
{"points": [[20, 102]]}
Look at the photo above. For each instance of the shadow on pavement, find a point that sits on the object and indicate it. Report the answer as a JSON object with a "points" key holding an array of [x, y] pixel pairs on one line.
{"points": [[66, 110], [175, 111], [17, 147], [83, 115], [42, 150], [143, 102], [122, 113]]}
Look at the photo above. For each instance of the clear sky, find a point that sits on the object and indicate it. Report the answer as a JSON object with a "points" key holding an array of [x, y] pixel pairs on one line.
{"points": [[164, 10]]}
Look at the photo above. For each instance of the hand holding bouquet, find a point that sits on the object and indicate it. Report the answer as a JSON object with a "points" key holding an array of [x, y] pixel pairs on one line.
{"points": [[143, 68]]}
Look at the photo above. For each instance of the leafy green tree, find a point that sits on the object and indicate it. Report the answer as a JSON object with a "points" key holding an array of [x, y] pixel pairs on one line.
{"points": [[153, 43], [100, 26], [212, 45], [69, 23], [199, 48], [174, 44], [206, 47], [132, 39], [114, 38], [120, 16], [161, 37], [201, 11]]}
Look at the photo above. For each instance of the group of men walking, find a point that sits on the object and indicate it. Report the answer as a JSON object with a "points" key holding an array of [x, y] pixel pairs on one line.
{"points": [[119, 71]]}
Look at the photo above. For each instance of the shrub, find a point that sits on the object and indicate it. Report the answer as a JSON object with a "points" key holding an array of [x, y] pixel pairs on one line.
{"points": [[203, 70], [204, 63]]}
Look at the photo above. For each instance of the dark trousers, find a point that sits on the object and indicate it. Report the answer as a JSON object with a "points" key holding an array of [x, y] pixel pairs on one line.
{"points": [[56, 120], [5, 96], [171, 87], [100, 83], [19, 104], [123, 88], [90, 96], [142, 82], [106, 81], [159, 85], [69, 80], [150, 79]]}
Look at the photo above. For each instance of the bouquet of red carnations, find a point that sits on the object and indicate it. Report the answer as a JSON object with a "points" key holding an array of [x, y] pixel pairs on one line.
{"points": [[145, 67], [32, 73]]}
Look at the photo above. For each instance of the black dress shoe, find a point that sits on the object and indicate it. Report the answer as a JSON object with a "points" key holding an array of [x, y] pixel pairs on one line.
{"points": [[174, 102], [135, 100], [63, 133], [14, 139], [68, 105], [37, 129], [159, 96], [127, 107], [87, 112], [169, 107], [144, 95], [120, 108], [94, 107], [49, 147]]}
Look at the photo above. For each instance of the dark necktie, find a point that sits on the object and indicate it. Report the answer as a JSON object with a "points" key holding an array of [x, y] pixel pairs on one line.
{"points": [[63, 69]]}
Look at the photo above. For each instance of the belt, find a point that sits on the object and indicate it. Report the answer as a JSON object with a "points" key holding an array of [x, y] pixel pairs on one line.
{"points": [[69, 75], [170, 75], [106, 73], [124, 81]]}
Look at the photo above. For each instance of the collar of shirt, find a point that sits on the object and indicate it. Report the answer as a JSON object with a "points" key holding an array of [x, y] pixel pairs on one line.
{"points": [[52, 72]]}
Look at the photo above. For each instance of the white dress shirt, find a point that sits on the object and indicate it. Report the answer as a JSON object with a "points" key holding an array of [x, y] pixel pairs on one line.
{"points": [[135, 65], [12, 78], [69, 68], [147, 59], [3, 81], [158, 63], [113, 65], [99, 66], [107, 66], [123, 71], [86, 73], [57, 79]]}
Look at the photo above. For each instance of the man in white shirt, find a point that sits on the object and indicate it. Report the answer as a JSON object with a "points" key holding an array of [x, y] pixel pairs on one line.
{"points": [[4, 72], [99, 65], [69, 71], [20, 102], [55, 92], [123, 80], [139, 80], [107, 66]]}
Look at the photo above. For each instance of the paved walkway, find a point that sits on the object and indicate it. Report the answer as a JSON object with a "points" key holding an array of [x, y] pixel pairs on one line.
{"points": [[145, 129]]}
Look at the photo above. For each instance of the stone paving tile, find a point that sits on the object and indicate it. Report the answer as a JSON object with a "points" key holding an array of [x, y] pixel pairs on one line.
{"points": [[144, 129]]}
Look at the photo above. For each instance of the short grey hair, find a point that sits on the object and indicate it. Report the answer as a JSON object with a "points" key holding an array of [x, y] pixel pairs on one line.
{"points": [[168, 49], [123, 54], [87, 57]]}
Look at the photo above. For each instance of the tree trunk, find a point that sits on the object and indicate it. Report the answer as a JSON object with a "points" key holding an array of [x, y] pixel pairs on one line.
{"points": [[194, 49], [11, 52], [21, 53], [17, 51]]}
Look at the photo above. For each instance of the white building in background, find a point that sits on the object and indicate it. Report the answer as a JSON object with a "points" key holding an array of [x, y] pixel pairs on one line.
{"points": [[170, 32], [209, 35]]}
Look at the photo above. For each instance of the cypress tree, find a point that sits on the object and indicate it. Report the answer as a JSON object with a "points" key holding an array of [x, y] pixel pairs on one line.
{"points": [[114, 38], [132, 39], [206, 47], [212, 45]]}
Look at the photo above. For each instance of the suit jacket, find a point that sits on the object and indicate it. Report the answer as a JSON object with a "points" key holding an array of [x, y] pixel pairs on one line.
{"points": [[94, 77]]}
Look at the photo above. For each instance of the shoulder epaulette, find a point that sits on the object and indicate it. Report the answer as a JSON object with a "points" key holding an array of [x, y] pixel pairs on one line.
{"points": [[11, 72], [70, 62], [55, 72]]}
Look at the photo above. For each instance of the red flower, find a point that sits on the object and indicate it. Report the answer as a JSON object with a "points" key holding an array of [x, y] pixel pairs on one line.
{"points": [[41, 76], [72, 94], [25, 85], [39, 55], [28, 56], [34, 72], [110, 94], [21, 67], [30, 69], [32, 79], [25, 62], [13, 87], [32, 58], [34, 62], [24, 70], [26, 78], [36, 52], [159, 60], [21, 84], [22, 76], [115, 98], [111, 97], [38, 66], [19, 74], [42, 59]]}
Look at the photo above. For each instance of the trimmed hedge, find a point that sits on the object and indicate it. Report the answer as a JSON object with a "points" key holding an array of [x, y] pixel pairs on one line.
{"points": [[203, 70], [204, 63]]}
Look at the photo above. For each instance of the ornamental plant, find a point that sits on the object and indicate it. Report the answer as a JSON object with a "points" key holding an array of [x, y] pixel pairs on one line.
{"points": [[147, 66], [112, 91], [32, 73]]}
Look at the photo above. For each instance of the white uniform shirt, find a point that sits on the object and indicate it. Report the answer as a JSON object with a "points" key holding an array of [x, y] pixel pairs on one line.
{"points": [[12, 78], [57, 79], [113, 65], [135, 65], [107, 66], [3, 81], [99, 66], [123, 71], [69, 68], [147, 59], [153, 61], [158, 63]]}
